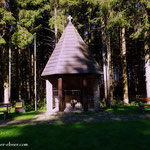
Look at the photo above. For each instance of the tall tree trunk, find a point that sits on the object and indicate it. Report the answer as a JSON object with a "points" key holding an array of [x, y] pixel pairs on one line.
{"points": [[89, 28], [19, 73], [26, 75], [9, 73], [110, 69], [105, 65], [5, 62], [32, 78], [147, 56], [147, 64], [55, 15], [5, 76], [1, 75], [124, 63], [108, 72], [35, 83]]}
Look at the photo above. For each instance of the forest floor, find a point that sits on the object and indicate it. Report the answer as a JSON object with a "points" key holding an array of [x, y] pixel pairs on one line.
{"points": [[109, 115]]}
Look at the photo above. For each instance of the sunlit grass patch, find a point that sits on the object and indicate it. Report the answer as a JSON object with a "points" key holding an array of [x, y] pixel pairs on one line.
{"points": [[131, 135], [20, 116], [124, 110]]}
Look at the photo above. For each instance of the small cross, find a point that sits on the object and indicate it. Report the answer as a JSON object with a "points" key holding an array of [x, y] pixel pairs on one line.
{"points": [[69, 18]]}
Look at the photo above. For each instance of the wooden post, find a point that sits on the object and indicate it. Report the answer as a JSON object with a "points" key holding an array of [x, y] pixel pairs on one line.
{"points": [[85, 95], [96, 97], [60, 95], [49, 96]]}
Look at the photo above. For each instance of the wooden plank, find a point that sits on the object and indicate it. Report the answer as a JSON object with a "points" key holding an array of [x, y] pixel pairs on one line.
{"points": [[85, 94]]}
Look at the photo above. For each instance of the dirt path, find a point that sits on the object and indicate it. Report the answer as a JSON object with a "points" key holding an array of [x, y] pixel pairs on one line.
{"points": [[47, 118]]}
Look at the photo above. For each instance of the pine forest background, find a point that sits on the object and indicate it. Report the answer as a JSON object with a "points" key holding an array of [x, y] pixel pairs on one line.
{"points": [[117, 33]]}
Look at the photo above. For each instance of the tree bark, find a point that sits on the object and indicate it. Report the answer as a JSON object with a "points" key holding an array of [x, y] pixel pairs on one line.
{"points": [[5, 75], [32, 78], [89, 28], [105, 55], [55, 15], [19, 73], [147, 65], [5, 62], [35, 82], [147, 53], [104, 63], [110, 69], [124, 64], [9, 73]]}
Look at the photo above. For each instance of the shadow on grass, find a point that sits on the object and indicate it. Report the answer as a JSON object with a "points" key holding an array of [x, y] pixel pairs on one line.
{"points": [[131, 135], [125, 110], [123, 113]]}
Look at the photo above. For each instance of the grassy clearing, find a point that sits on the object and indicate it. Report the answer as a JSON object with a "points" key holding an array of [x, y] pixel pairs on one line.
{"points": [[131, 135], [121, 110], [125, 110], [20, 116]]}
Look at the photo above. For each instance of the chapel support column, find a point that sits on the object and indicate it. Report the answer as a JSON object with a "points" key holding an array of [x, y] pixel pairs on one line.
{"points": [[85, 94], [96, 95], [60, 94], [49, 96]]}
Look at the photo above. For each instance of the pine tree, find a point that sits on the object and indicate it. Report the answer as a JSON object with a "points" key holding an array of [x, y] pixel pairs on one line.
{"points": [[6, 20], [141, 30], [121, 18]]}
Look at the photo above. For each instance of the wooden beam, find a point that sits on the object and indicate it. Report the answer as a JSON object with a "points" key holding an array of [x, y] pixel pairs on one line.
{"points": [[60, 95], [85, 94]]}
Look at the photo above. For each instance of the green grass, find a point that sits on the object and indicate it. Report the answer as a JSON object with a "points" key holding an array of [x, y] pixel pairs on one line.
{"points": [[131, 135], [125, 110], [122, 110], [20, 116]]}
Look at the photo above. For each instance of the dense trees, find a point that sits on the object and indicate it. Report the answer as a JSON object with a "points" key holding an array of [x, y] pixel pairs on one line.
{"points": [[116, 31]]}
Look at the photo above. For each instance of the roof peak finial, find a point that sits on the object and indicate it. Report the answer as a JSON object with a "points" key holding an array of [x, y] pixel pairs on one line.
{"points": [[69, 18]]}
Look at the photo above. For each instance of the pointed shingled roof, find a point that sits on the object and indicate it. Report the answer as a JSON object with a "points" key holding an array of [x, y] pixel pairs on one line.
{"points": [[71, 55]]}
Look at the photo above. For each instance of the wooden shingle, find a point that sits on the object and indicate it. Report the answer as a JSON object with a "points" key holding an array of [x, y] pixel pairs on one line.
{"points": [[71, 56]]}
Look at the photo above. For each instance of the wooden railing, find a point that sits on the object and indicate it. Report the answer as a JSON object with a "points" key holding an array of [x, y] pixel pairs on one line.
{"points": [[5, 109], [143, 102]]}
